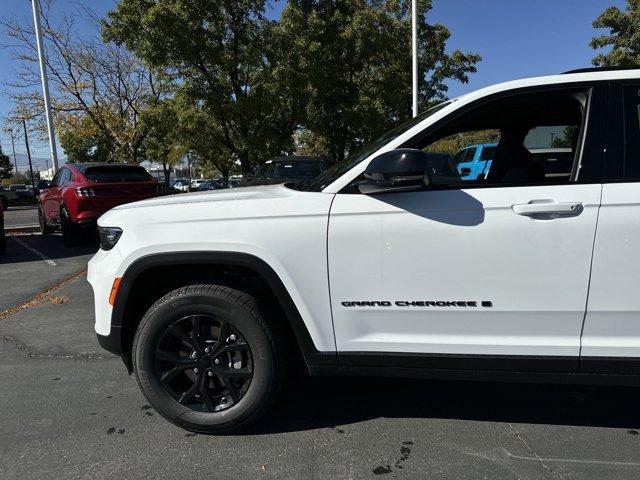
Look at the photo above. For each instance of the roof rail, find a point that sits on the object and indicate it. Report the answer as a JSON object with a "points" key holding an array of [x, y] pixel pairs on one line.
{"points": [[601, 69]]}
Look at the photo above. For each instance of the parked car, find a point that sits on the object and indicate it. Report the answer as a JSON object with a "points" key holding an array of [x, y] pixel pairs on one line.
{"points": [[473, 162], [81, 192], [290, 168], [3, 239], [6, 196], [390, 263], [21, 190], [182, 185], [195, 184]]}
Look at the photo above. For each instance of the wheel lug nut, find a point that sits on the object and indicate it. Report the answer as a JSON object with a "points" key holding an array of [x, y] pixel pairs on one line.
{"points": [[217, 361], [207, 350], [232, 337], [210, 374], [195, 370]]}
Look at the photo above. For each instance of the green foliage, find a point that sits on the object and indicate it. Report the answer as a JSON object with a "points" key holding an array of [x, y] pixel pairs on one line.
{"points": [[351, 64], [623, 36], [82, 140], [162, 142], [566, 141], [454, 143], [5, 165], [218, 50]]}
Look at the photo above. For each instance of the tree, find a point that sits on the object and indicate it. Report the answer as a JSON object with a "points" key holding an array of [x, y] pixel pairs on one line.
{"points": [[162, 143], [217, 50], [5, 165], [98, 89], [83, 141], [623, 36], [200, 133], [355, 60]]}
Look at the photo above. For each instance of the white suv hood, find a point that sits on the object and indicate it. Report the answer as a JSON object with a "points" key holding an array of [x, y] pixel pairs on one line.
{"points": [[189, 208]]}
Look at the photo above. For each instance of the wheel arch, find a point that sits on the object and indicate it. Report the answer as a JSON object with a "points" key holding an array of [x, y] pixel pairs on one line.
{"points": [[123, 320]]}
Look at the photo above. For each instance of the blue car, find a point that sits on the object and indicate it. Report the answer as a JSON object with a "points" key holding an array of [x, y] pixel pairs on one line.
{"points": [[473, 162]]}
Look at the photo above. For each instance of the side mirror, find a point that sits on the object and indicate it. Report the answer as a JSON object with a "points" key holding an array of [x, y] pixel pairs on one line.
{"points": [[398, 170], [407, 169]]}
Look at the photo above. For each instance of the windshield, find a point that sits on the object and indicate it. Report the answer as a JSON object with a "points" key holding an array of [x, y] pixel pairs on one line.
{"points": [[331, 175], [290, 169]]}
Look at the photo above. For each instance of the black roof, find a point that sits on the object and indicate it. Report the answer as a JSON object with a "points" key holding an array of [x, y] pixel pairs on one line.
{"points": [[602, 69]]}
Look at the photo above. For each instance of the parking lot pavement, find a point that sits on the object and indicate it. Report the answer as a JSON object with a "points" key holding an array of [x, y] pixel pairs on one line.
{"points": [[21, 216], [69, 410], [34, 263]]}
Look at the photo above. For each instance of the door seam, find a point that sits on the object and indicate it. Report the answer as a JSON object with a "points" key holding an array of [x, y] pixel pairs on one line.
{"points": [[593, 252]]}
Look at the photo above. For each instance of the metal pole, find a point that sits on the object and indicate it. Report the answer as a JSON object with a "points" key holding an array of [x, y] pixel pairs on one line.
{"points": [[13, 146], [45, 84], [414, 51], [189, 170], [26, 142]]}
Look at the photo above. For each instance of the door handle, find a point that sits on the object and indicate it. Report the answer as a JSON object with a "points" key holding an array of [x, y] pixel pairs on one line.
{"points": [[546, 208]]}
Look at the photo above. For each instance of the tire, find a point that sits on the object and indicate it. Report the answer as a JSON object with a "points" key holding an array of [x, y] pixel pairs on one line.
{"points": [[44, 228], [71, 234], [4, 204], [223, 402]]}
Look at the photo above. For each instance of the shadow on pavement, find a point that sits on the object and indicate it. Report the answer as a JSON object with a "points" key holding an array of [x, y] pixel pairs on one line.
{"points": [[323, 402], [51, 246]]}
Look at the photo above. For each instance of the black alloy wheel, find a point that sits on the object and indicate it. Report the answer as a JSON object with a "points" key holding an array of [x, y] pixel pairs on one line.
{"points": [[210, 358], [204, 363]]}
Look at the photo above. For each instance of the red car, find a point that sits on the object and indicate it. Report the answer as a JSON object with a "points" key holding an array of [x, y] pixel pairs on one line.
{"points": [[81, 192]]}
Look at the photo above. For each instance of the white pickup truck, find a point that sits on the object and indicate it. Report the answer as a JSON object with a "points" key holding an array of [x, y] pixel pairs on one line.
{"points": [[390, 263]]}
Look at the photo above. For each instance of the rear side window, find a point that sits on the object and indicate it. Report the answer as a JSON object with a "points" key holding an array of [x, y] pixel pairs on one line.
{"points": [[117, 174], [632, 132]]}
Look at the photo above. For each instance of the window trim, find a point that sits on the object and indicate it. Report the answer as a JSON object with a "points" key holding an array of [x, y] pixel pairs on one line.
{"points": [[616, 145]]}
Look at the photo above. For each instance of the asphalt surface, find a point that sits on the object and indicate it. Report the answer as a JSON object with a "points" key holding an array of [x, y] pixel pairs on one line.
{"points": [[69, 410], [20, 217]]}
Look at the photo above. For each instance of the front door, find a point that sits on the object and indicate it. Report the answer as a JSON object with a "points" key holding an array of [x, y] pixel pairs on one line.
{"points": [[475, 276]]}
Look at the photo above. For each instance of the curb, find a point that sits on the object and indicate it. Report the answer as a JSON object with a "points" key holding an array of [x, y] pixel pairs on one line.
{"points": [[23, 229]]}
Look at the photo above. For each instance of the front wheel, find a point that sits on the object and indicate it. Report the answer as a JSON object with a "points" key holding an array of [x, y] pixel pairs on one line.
{"points": [[207, 359]]}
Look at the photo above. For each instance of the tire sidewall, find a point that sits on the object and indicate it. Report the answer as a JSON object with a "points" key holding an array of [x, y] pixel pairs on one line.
{"points": [[155, 325]]}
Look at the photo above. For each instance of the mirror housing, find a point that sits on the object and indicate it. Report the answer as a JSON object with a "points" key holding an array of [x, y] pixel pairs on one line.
{"points": [[399, 170], [406, 169]]}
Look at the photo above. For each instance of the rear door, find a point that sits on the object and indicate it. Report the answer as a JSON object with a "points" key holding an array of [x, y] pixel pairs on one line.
{"points": [[611, 338]]}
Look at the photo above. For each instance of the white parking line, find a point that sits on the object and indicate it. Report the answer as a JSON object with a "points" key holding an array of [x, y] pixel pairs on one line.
{"points": [[44, 258], [575, 460]]}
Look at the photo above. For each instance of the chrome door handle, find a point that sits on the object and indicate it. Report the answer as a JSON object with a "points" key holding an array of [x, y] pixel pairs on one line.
{"points": [[541, 208]]}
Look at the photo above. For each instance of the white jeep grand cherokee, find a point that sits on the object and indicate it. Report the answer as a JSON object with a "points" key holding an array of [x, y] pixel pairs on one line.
{"points": [[390, 264]]}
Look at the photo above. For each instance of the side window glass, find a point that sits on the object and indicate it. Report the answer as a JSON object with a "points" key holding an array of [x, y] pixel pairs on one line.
{"points": [[55, 182], [463, 146], [65, 177], [632, 132], [527, 139]]}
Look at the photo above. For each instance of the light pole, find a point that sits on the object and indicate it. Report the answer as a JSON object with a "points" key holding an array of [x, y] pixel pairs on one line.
{"points": [[45, 84], [26, 142], [414, 52]]}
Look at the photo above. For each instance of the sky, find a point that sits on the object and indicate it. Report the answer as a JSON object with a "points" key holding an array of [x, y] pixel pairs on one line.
{"points": [[516, 38]]}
